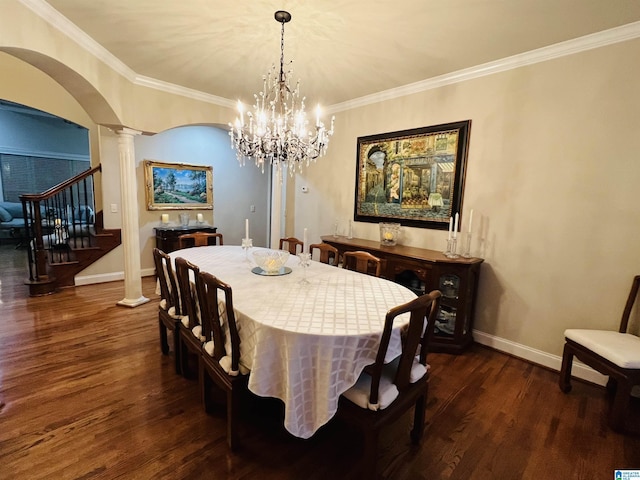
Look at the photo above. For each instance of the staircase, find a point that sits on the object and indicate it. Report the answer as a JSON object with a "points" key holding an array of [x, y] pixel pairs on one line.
{"points": [[64, 233]]}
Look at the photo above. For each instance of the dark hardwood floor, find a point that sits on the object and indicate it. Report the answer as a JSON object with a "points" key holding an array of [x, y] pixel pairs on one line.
{"points": [[86, 394]]}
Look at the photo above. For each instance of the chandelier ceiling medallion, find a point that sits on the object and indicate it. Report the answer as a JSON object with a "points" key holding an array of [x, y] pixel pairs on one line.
{"points": [[277, 131]]}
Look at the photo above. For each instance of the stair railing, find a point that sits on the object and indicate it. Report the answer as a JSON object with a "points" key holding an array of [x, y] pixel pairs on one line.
{"points": [[58, 220]]}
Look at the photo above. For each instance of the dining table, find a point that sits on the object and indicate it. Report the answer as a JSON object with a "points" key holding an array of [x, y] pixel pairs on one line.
{"points": [[305, 336]]}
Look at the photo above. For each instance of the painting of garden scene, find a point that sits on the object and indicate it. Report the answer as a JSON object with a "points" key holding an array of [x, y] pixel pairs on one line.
{"points": [[178, 186]]}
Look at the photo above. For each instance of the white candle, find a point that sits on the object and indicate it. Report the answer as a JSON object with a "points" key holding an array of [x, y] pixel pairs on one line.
{"points": [[200, 218], [470, 220], [455, 227], [305, 246], [165, 218], [450, 227], [246, 228]]}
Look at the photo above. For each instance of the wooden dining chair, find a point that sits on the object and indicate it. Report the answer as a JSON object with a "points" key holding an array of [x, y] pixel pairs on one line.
{"points": [[169, 314], [190, 336], [328, 253], [362, 262], [616, 354], [291, 244], [199, 239], [384, 392], [220, 355]]}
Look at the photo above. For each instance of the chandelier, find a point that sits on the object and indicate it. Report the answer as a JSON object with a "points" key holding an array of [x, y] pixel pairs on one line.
{"points": [[277, 131]]}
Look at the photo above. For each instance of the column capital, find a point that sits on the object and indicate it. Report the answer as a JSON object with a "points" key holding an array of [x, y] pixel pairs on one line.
{"points": [[126, 131]]}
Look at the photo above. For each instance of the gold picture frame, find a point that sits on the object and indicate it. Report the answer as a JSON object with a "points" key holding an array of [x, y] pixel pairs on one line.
{"points": [[177, 186]]}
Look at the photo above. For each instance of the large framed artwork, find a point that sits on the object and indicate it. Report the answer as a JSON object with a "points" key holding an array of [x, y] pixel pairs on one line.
{"points": [[412, 177], [176, 186]]}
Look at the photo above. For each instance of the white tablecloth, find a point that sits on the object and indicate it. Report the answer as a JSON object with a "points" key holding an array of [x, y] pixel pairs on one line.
{"points": [[304, 344]]}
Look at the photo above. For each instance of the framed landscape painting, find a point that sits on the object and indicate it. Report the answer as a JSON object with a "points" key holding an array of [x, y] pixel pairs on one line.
{"points": [[176, 186], [412, 177]]}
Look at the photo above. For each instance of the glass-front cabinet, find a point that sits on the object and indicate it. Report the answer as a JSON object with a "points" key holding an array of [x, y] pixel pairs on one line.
{"points": [[422, 271]]}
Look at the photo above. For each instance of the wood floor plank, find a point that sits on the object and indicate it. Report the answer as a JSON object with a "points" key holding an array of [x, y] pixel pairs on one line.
{"points": [[86, 394]]}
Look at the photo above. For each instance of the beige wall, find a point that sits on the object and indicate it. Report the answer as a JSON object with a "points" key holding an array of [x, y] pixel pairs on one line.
{"points": [[553, 177], [552, 171]]}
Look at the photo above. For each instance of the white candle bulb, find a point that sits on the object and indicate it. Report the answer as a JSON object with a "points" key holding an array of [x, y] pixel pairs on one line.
{"points": [[455, 227]]}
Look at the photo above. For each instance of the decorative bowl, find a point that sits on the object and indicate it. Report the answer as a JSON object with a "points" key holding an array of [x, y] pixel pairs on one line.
{"points": [[271, 261]]}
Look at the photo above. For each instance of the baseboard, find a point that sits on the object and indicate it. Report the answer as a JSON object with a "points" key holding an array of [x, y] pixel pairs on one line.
{"points": [[108, 277], [579, 370]]}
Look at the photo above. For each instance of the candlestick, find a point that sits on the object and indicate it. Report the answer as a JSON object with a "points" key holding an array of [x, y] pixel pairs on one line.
{"points": [[305, 242], [470, 221], [246, 228], [247, 244], [452, 245], [467, 246], [450, 227], [305, 262], [455, 227]]}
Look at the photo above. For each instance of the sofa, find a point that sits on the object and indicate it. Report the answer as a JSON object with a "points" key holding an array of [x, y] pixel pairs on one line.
{"points": [[77, 221], [11, 219]]}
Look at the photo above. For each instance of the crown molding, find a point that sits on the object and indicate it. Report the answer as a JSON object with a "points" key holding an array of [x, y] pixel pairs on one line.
{"points": [[185, 92], [569, 47], [68, 28], [64, 25]]}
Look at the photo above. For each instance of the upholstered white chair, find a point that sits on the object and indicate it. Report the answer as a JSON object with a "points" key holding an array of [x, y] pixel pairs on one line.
{"points": [[384, 392], [190, 334], [362, 262], [327, 253], [292, 245], [200, 239], [616, 354], [169, 314], [220, 364]]}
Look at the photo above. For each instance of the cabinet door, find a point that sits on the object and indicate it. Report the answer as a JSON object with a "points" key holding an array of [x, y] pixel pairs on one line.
{"points": [[446, 320], [413, 275], [454, 318]]}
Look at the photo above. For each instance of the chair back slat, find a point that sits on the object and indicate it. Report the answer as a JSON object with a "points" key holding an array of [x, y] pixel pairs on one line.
{"points": [[166, 278], [422, 309], [187, 272], [212, 292], [624, 323]]}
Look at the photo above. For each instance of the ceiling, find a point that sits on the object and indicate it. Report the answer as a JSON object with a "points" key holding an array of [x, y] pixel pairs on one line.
{"points": [[341, 49]]}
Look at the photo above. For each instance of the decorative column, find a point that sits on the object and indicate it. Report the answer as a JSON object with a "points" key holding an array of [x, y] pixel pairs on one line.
{"points": [[278, 204], [130, 225]]}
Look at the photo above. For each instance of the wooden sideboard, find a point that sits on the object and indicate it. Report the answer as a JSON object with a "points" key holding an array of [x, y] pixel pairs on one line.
{"points": [[167, 237], [422, 271]]}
